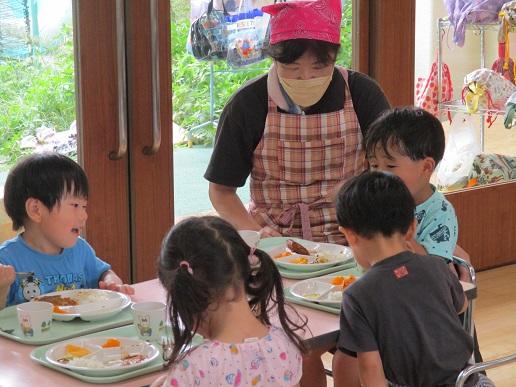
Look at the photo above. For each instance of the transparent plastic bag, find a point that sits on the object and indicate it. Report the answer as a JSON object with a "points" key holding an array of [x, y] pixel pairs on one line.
{"points": [[461, 148]]}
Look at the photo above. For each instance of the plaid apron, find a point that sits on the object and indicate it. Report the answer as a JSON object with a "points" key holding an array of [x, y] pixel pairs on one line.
{"points": [[299, 162]]}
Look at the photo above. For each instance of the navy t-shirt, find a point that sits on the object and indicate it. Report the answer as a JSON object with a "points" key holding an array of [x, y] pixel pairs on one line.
{"points": [[406, 308]]}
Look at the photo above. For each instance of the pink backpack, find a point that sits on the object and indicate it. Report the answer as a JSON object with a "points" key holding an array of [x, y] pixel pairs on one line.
{"points": [[461, 12]]}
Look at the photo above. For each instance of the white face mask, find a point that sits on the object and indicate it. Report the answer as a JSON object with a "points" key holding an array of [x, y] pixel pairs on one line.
{"points": [[306, 92]]}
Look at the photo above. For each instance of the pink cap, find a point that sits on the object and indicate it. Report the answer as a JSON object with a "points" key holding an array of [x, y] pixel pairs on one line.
{"points": [[319, 20]]}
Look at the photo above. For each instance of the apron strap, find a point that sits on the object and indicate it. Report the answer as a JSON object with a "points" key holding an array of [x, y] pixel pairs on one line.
{"points": [[288, 216]]}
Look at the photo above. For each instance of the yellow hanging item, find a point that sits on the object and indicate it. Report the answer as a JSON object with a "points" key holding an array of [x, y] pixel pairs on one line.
{"points": [[474, 92]]}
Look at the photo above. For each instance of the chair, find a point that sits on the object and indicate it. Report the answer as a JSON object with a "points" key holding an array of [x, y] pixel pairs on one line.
{"points": [[471, 294]]}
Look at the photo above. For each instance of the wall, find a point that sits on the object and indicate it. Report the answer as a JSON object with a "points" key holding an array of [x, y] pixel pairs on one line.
{"points": [[6, 231]]}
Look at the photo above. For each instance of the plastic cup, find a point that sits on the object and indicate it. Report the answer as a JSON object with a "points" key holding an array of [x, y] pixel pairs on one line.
{"points": [[149, 319], [35, 318], [250, 237]]}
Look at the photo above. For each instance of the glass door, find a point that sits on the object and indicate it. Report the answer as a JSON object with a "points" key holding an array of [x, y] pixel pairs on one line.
{"points": [[92, 79], [124, 83], [37, 84]]}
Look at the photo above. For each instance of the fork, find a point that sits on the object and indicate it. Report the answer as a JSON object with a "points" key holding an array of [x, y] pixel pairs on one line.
{"points": [[166, 349]]}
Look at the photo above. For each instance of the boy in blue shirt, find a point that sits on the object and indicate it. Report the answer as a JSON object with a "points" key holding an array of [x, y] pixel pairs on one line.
{"points": [[409, 142], [400, 318], [47, 194]]}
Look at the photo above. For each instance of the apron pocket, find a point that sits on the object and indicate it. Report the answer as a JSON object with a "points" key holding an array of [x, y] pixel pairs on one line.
{"points": [[311, 161]]}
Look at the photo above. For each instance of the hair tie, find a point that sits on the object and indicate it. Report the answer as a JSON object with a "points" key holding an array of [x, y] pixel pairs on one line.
{"points": [[254, 261], [187, 266]]}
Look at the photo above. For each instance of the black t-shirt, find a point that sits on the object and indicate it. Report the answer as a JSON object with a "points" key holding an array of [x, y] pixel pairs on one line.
{"points": [[406, 308], [242, 121]]}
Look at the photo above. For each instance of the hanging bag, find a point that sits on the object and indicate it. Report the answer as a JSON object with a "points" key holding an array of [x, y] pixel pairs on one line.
{"points": [[246, 33], [208, 34], [486, 89], [426, 89], [461, 12]]}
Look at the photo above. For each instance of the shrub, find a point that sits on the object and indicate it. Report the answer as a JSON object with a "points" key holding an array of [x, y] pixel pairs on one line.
{"points": [[38, 90]]}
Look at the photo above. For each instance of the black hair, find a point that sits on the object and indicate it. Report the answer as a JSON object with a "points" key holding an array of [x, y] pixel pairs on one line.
{"points": [[219, 259], [44, 176], [414, 132], [375, 203], [289, 51]]}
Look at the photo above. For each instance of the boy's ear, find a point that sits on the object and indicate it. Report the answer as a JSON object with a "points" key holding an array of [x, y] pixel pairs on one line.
{"points": [[34, 207], [428, 165], [411, 230], [351, 236]]}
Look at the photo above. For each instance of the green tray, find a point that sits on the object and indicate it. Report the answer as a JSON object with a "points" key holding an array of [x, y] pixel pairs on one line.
{"points": [[315, 305], [318, 273], [267, 243], [60, 330], [38, 355]]}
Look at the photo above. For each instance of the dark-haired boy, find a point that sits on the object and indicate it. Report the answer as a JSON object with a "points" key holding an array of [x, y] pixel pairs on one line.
{"points": [[409, 142], [400, 318], [46, 194]]}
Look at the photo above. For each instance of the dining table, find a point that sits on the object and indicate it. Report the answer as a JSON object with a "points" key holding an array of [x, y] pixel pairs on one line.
{"points": [[18, 370]]}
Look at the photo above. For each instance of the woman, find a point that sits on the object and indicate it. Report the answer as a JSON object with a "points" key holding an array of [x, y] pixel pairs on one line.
{"points": [[297, 130]]}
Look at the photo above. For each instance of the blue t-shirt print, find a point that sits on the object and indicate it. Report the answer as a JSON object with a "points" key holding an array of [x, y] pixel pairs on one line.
{"points": [[440, 234], [437, 226]]}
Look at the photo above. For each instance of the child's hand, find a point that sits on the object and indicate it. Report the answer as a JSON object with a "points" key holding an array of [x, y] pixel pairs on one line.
{"points": [[110, 281], [122, 288], [7, 276]]}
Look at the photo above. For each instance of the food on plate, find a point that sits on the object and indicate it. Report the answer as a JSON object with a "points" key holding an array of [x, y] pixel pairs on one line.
{"points": [[343, 280], [307, 260], [57, 309], [57, 300], [335, 296], [297, 248], [72, 351], [283, 254], [110, 343], [300, 260], [312, 295]]}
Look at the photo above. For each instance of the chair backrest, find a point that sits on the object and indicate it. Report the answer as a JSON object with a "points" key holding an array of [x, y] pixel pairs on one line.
{"points": [[479, 367]]}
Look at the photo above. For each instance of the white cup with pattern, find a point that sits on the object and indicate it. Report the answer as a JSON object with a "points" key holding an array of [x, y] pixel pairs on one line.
{"points": [[149, 319], [35, 318]]}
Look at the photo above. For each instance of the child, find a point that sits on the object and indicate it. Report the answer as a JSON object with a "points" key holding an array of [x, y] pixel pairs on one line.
{"points": [[400, 318], [409, 142], [46, 194], [222, 289]]}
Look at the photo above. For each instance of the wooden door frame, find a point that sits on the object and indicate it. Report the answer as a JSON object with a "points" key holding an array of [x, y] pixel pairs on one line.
{"points": [[383, 46], [130, 202], [152, 211], [96, 72]]}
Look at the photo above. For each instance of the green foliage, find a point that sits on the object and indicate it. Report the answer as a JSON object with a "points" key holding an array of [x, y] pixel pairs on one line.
{"points": [[40, 90], [191, 85], [191, 77], [36, 91]]}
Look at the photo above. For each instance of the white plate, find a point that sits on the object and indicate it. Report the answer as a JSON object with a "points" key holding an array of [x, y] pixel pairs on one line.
{"points": [[103, 361], [335, 254], [311, 290], [93, 304]]}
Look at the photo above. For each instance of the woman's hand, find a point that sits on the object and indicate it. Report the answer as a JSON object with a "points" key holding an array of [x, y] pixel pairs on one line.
{"points": [[266, 232]]}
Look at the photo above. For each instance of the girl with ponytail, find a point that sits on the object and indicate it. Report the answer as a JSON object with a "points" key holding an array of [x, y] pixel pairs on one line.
{"points": [[221, 288]]}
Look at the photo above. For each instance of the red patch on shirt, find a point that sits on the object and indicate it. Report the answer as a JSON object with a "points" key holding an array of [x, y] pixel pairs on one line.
{"points": [[400, 272]]}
